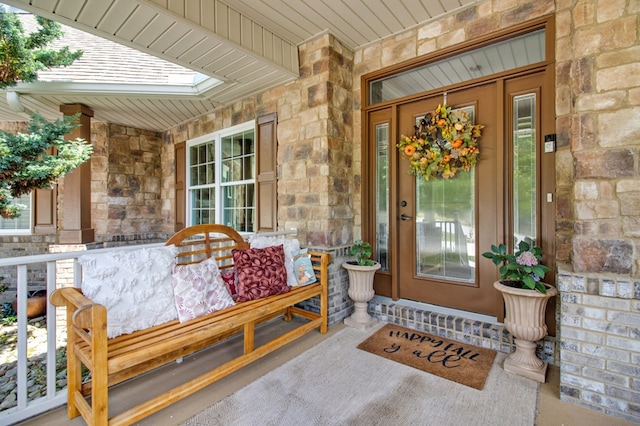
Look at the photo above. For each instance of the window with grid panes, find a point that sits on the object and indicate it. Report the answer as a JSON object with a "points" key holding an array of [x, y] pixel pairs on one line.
{"points": [[21, 224], [221, 178]]}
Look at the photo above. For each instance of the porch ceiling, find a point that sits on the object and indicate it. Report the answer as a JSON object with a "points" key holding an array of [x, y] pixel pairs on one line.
{"points": [[248, 45]]}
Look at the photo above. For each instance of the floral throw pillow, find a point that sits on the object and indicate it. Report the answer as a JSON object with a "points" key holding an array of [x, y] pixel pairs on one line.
{"points": [[261, 272], [199, 290], [289, 245]]}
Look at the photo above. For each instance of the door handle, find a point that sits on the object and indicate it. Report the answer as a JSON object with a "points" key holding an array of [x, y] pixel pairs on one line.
{"points": [[405, 217]]}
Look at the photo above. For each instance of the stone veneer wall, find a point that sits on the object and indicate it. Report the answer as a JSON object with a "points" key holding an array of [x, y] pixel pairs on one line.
{"points": [[472, 22], [314, 142], [126, 185], [598, 193]]}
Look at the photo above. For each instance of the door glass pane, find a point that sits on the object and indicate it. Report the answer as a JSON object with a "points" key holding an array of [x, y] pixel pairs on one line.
{"points": [[382, 195], [524, 168], [446, 226]]}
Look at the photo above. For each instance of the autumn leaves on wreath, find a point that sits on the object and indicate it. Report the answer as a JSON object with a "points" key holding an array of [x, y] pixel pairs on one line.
{"points": [[444, 142]]}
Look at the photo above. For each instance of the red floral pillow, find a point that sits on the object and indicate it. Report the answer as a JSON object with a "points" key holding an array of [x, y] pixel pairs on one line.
{"points": [[261, 272]]}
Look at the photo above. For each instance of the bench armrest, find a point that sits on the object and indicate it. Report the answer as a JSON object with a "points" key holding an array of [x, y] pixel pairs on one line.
{"points": [[69, 296], [86, 319]]}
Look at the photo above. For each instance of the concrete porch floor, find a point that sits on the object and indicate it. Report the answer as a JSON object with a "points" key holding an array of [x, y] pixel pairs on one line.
{"points": [[551, 411]]}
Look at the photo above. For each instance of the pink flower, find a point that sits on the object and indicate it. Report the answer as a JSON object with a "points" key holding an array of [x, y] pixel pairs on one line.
{"points": [[527, 259]]}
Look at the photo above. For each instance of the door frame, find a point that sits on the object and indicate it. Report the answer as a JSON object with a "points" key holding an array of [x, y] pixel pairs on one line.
{"points": [[386, 283]]}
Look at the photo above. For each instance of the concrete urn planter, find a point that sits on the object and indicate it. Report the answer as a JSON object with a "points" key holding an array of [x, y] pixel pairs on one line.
{"points": [[525, 320], [360, 291]]}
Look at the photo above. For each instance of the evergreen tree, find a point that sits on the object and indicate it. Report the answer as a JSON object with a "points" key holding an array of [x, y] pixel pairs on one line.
{"points": [[22, 56], [25, 164], [36, 159]]}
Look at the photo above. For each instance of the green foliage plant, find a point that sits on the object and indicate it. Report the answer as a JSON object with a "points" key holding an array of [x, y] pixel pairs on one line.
{"points": [[524, 266], [37, 159], [23, 55], [362, 251]]}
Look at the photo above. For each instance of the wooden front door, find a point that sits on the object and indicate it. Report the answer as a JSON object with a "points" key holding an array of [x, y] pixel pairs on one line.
{"points": [[444, 224]]}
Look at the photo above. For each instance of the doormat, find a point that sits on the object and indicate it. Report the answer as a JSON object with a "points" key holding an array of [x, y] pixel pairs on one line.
{"points": [[460, 362]]}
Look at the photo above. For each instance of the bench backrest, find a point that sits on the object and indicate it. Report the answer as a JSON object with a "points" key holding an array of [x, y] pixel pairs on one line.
{"points": [[200, 242]]}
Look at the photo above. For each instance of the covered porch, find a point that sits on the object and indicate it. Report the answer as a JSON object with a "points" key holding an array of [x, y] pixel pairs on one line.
{"points": [[550, 409], [309, 71]]}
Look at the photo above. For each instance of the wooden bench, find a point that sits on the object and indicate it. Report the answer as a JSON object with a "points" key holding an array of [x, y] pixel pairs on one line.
{"points": [[114, 360]]}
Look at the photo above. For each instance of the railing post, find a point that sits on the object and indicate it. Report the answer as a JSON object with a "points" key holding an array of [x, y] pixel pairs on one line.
{"points": [[51, 332], [21, 308], [26, 408]]}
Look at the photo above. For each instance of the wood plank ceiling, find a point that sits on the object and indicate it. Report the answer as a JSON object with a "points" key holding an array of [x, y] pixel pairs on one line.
{"points": [[247, 46]]}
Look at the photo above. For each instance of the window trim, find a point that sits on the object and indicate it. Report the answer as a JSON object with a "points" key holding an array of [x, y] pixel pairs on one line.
{"points": [[26, 231], [219, 186]]}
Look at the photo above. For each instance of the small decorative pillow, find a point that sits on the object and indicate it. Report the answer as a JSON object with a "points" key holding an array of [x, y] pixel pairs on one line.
{"points": [[303, 267], [261, 272], [199, 290], [134, 286], [289, 245]]}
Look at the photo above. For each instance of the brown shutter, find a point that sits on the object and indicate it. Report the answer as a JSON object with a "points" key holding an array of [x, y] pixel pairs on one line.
{"points": [[181, 176], [44, 208], [266, 179]]}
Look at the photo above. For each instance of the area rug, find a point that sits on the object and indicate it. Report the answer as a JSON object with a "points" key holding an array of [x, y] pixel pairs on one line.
{"points": [[460, 362], [335, 383]]}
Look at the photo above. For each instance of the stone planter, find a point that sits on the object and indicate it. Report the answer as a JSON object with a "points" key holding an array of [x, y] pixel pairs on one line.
{"points": [[361, 291], [525, 320]]}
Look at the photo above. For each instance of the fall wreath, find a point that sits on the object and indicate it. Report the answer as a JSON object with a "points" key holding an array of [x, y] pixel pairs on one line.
{"points": [[444, 142]]}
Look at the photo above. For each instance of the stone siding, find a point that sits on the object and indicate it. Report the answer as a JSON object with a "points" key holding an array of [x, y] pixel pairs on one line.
{"points": [[126, 184], [126, 199], [600, 350], [127, 187], [598, 127], [475, 21]]}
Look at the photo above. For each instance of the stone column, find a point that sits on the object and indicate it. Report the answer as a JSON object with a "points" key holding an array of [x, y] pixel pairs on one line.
{"points": [[76, 205]]}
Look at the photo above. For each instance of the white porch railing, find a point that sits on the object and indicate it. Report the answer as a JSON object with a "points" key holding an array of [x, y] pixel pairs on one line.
{"points": [[24, 407]]}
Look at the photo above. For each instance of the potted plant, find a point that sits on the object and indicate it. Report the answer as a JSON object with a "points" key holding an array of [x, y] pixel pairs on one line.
{"points": [[525, 297], [361, 272]]}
